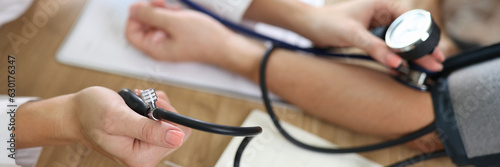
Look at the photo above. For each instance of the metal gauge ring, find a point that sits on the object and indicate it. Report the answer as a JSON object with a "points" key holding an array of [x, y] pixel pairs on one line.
{"points": [[413, 34]]}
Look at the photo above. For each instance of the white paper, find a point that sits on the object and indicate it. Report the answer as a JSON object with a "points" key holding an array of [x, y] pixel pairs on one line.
{"points": [[271, 149]]}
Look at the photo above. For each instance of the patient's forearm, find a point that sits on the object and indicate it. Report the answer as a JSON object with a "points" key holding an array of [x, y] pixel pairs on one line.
{"points": [[289, 14], [354, 97]]}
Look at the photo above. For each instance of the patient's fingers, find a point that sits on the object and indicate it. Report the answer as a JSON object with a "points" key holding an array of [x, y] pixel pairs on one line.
{"points": [[146, 38], [159, 3], [160, 18], [163, 4], [135, 32]]}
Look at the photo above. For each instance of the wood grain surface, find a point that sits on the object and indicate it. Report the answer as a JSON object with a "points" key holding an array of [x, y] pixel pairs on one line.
{"points": [[38, 74]]}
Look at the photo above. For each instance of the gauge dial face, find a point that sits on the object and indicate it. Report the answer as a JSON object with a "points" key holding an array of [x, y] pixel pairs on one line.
{"points": [[408, 29]]}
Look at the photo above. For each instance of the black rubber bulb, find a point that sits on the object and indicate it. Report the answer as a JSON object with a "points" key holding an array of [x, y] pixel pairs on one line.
{"points": [[134, 101]]}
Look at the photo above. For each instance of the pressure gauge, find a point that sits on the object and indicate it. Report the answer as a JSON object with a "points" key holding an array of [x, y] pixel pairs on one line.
{"points": [[413, 34]]}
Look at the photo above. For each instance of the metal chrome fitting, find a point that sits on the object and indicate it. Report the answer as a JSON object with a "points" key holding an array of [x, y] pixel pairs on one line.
{"points": [[149, 97], [414, 78]]}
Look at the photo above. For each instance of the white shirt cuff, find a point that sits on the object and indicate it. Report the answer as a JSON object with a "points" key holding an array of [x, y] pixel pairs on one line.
{"points": [[23, 157], [10, 10]]}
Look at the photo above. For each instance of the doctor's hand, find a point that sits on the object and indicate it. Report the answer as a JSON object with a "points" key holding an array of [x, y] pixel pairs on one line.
{"points": [[171, 34], [346, 25], [112, 128], [99, 118]]}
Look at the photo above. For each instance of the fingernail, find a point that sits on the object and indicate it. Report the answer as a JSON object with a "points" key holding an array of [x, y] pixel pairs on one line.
{"points": [[439, 67], [393, 60], [158, 3], [174, 138]]}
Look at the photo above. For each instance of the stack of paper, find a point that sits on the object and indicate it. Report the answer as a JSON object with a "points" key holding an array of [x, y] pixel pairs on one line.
{"points": [[271, 149]]}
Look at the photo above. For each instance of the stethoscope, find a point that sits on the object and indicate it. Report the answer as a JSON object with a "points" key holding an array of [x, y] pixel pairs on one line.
{"points": [[416, 23], [412, 76]]}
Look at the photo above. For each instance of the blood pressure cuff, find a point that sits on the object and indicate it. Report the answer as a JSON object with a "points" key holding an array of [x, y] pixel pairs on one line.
{"points": [[466, 99]]}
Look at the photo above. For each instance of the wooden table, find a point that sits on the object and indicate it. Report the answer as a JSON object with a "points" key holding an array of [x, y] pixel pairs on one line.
{"points": [[38, 74]]}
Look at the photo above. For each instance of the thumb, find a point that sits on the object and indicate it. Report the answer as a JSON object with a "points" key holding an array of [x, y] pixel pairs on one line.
{"points": [[376, 48], [161, 18], [158, 133]]}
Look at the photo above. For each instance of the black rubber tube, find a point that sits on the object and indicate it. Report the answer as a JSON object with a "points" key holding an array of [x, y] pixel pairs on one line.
{"points": [[367, 148], [419, 158], [162, 114], [239, 152]]}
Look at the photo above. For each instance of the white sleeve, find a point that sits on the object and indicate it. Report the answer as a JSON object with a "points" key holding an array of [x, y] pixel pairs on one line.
{"points": [[8, 155], [232, 10], [11, 10]]}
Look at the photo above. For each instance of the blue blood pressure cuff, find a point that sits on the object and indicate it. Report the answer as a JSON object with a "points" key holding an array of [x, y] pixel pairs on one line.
{"points": [[466, 99]]}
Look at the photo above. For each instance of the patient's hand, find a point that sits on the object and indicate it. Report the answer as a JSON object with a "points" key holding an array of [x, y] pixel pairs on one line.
{"points": [[171, 34]]}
